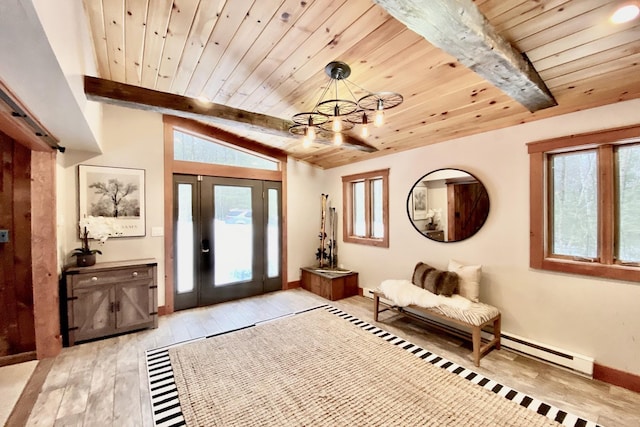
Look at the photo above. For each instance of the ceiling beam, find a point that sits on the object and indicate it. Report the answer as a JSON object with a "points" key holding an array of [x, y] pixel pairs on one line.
{"points": [[124, 95], [459, 28]]}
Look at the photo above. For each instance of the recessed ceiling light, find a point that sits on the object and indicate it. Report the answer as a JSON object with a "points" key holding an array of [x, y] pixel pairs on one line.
{"points": [[625, 14], [203, 99]]}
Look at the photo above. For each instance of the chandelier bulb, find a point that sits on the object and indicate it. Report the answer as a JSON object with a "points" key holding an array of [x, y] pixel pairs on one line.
{"points": [[337, 125], [379, 118], [306, 142], [311, 133], [365, 126], [337, 139]]}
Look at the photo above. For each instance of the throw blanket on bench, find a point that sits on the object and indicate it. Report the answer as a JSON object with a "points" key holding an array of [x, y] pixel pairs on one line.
{"points": [[403, 293]]}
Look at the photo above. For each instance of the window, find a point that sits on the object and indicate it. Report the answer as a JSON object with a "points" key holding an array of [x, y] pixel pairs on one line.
{"points": [[193, 148], [366, 208], [584, 204]]}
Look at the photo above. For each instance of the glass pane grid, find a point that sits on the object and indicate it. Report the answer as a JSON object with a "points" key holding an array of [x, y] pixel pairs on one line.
{"points": [[273, 234], [377, 226], [359, 224], [185, 240], [191, 148], [628, 203], [233, 230], [574, 215]]}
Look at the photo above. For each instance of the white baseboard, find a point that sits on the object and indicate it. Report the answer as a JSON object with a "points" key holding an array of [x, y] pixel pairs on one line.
{"points": [[557, 356]]}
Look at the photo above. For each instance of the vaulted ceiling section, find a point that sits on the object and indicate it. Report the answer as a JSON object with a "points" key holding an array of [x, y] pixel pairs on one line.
{"points": [[463, 66]]}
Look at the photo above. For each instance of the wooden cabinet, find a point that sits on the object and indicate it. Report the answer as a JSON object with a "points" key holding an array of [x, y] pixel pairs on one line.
{"points": [[435, 235], [110, 298], [330, 284]]}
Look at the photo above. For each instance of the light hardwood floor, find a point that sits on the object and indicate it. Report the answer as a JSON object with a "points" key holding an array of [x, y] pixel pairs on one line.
{"points": [[104, 383]]}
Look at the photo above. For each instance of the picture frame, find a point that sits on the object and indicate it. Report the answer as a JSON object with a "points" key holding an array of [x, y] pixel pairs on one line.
{"points": [[116, 193], [419, 203]]}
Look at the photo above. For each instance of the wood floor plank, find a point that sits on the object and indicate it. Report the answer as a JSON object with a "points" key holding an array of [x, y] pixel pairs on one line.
{"points": [[111, 384], [46, 408], [100, 401]]}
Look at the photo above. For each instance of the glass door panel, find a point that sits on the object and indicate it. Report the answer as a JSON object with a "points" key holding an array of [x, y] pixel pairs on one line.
{"points": [[186, 241], [227, 239], [272, 206], [233, 231], [231, 269]]}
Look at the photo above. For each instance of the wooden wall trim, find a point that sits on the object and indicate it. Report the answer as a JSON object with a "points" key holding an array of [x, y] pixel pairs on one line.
{"points": [[616, 377], [168, 218], [192, 168], [285, 246], [536, 211], [621, 135], [293, 285], [45, 254]]}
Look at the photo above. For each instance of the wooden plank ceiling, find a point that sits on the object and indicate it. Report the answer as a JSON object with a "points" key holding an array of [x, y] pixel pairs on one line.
{"points": [[268, 57]]}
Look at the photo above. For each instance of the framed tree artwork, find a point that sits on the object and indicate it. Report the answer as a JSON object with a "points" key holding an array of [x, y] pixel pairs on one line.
{"points": [[419, 200], [116, 193]]}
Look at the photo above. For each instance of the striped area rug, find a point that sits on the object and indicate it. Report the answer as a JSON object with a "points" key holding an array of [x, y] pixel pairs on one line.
{"points": [[167, 410]]}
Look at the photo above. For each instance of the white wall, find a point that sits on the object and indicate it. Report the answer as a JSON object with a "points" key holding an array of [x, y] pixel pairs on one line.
{"points": [[51, 88], [67, 28], [130, 139], [304, 187], [590, 316]]}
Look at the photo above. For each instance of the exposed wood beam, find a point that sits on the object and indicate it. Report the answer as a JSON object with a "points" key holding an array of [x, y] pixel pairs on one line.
{"points": [[459, 28], [110, 92]]}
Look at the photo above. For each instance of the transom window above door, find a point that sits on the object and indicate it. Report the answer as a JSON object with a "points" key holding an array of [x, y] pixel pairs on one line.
{"points": [[192, 148]]}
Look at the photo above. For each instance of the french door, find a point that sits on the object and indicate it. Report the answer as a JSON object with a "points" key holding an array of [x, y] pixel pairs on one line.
{"points": [[227, 239]]}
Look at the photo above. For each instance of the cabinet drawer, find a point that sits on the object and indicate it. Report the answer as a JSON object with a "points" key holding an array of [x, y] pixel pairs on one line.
{"points": [[114, 276]]}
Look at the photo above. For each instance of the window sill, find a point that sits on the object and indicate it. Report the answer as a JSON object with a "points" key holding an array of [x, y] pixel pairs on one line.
{"points": [[381, 243], [615, 271]]}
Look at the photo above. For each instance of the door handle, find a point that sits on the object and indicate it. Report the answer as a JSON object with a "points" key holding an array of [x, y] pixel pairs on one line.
{"points": [[205, 246]]}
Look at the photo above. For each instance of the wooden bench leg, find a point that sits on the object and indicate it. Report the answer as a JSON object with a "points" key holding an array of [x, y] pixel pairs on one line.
{"points": [[477, 343], [496, 331], [376, 306]]}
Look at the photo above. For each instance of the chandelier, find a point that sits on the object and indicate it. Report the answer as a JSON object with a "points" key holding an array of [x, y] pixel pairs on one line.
{"points": [[330, 117]]}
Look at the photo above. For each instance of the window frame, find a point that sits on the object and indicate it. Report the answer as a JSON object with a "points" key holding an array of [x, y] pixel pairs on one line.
{"points": [[540, 256], [347, 208]]}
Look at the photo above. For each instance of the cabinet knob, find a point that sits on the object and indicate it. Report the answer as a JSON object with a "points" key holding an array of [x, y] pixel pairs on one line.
{"points": [[94, 279], [134, 274]]}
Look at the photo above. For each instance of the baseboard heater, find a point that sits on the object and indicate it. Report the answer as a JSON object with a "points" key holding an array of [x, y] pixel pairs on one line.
{"points": [[575, 362]]}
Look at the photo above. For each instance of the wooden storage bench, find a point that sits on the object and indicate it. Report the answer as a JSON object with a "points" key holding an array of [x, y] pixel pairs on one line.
{"points": [[475, 318]]}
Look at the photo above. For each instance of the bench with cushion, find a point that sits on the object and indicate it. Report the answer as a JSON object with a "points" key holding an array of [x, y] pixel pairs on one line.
{"points": [[474, 315]]}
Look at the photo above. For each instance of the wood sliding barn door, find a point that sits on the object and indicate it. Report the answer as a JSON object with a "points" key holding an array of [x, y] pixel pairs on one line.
{"points": [[17, 329]]}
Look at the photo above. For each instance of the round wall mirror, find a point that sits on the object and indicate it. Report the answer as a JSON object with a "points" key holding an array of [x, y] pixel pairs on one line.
{"points": [[448, 205]]}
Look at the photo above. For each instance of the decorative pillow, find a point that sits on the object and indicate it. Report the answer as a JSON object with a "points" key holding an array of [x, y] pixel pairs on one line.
{"points": [[435, 281], [419, 273], [469, 279]]}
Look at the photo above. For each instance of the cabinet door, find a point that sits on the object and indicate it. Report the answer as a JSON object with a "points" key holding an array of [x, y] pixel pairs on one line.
{"points": [[93, 312], [133, 305]]}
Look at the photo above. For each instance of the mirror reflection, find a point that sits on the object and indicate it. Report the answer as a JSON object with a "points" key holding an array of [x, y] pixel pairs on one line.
{"points": [[448, 205]]}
